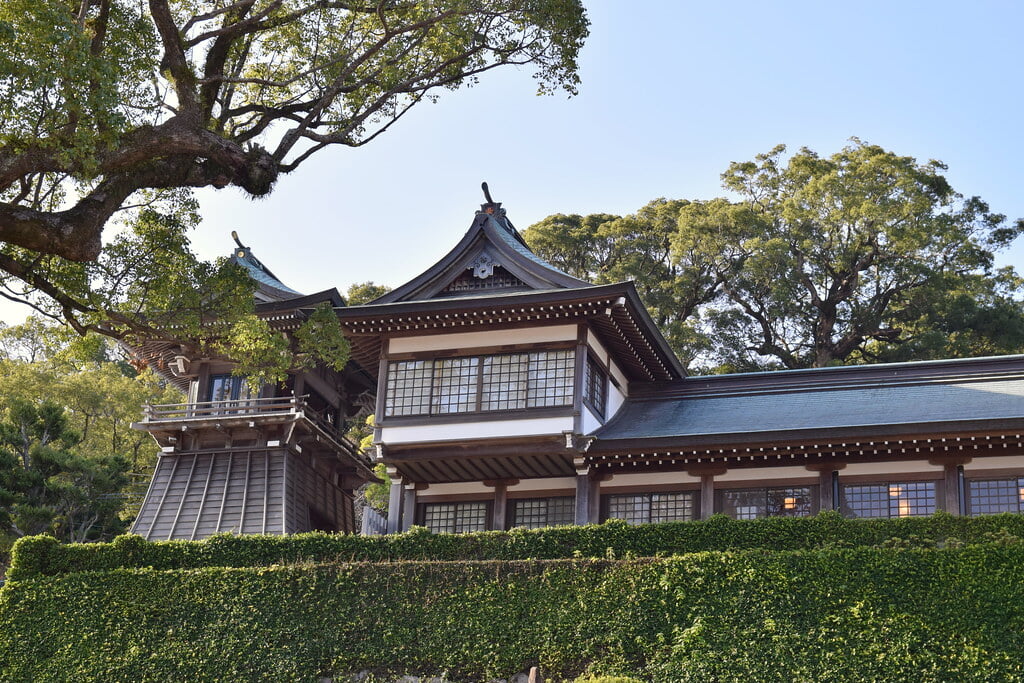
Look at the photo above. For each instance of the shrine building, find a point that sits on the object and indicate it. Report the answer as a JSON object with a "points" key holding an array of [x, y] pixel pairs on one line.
{"points": [[508, 394]]}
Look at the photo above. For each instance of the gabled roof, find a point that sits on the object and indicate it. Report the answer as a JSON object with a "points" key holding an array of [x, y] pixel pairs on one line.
{"points": [[492, 253], [614, 310]]}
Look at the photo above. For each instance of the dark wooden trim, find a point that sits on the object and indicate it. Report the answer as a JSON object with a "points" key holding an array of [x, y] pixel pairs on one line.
{"points": [[478, 416], [579, 362], [473, 351], [382, 384]]}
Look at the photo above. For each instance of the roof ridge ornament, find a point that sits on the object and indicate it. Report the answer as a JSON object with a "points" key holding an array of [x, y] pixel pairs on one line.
{"points": [[490, 207]]}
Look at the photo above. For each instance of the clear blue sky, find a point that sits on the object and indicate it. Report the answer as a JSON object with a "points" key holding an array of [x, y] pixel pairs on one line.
{"points": [[671, 93]]}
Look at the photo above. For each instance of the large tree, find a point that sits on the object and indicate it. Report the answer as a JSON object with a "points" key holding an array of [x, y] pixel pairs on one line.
{"points": [[111, 104], [605, 248], [863, 256], [821, 258]]}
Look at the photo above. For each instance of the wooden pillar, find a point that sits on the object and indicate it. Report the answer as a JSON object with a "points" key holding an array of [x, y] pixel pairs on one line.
{"points": [[707, 495], [707, 487], [951, 500], [828, 488], [408, 506], [595, 497], [498, 520], [583, 491], [395, 504]]}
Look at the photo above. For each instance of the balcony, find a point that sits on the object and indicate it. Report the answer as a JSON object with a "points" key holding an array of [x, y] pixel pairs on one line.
{"points": [[251, 413]]}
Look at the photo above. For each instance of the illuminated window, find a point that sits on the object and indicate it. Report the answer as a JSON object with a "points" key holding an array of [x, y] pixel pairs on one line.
{"points": [[992, 496], [647, 508], [455, 518], [480, 383], [535, 513], [769, 502], [902, 499]]}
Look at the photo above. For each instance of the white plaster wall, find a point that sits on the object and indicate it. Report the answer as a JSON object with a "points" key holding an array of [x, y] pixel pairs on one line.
{"points": [[590, 421], [597, 347], [754, 474], [477, 430], [651, 479], [542, 485], [438, 342], [615, 400], [886, 469], [457, 489], [998, 462]]}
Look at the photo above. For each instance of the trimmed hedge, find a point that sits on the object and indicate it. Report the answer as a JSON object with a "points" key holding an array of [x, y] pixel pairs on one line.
{"points": [[44, 556], [836, 614]]}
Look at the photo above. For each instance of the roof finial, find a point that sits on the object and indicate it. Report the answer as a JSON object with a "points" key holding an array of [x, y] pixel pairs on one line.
{"points": [[234, 235], [491, 206]]}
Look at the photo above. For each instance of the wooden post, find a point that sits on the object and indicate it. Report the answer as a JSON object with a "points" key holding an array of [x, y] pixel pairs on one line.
{"points": [[395, 504], [583, 489], [498, 521], [707, 495], [595, 497], [408, 506], [828, 489], [707, 487], [951, 501]]}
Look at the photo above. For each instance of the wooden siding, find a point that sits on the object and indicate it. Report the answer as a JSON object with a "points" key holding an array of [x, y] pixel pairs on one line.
{"points": [[195, 495]]}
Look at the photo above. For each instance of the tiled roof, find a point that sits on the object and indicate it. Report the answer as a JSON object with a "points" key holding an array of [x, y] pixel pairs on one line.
{"points": [[870, 397]]}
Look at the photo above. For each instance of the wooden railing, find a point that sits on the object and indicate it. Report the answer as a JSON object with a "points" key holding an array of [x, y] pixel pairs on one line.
{"points": [[247, 407]]}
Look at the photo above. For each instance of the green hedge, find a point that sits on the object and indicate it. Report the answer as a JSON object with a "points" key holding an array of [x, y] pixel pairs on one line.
{"points": [[837, 614], [45, 556]]}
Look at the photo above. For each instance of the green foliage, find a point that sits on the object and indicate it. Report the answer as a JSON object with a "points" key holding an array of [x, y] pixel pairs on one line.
{"points": [[364, 292], [79, 385], [863, 256], [320, 337], [261, 353], [44, 486], [613, 539], [756, 615], [119, 108]]}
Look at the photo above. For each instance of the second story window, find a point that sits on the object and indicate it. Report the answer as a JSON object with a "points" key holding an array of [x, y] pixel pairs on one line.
{"points": [[228, 388], [512, 381], [594, 386]]}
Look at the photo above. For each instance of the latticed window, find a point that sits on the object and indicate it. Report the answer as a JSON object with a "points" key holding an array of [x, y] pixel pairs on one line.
{"points": [[903, 499], [535, 513], [480, 383], [647, 508], [768, 502], [594, 385], [992, 496], [456, 518]]}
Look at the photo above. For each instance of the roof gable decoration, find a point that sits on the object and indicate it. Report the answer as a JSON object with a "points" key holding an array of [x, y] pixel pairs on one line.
{"points": [[493, 252]]}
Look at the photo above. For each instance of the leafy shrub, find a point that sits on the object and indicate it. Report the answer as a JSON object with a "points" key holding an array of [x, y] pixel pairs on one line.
{"points": [[865, 613], [614, 539]]}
